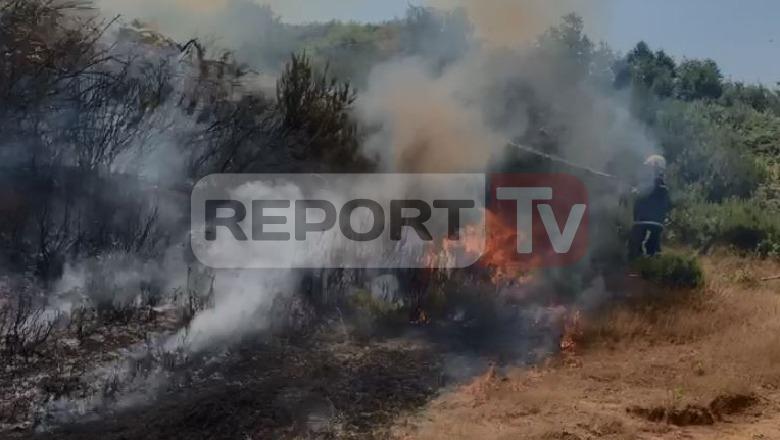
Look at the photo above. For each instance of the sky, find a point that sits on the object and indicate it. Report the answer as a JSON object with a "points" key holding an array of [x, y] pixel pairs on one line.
{"points": [[743, 36]]}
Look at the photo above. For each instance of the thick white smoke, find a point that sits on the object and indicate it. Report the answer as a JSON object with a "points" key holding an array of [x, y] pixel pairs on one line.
{"points": [[427, 121]]}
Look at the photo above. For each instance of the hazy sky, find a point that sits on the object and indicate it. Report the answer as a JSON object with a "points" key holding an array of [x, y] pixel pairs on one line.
{"points": [[742, 35]]}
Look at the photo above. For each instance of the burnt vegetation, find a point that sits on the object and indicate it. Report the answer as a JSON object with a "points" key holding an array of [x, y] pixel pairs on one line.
{"points": [[85, 103], [75, 104]]}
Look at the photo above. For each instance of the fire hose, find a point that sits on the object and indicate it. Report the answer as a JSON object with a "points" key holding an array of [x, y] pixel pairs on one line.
{"points": [[560, 160]]}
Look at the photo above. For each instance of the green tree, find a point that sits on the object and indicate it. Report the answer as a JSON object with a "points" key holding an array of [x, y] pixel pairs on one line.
{"points": [[758, 97], [569, 41], [705, 152], [699, 79], [653, 72]]}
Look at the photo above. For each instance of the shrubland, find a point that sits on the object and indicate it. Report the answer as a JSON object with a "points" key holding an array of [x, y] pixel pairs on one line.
{"points": [[106, 124]]}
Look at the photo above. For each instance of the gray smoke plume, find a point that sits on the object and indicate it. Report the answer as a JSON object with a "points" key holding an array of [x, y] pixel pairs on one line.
{"points": [[445, 105], [460, 116]]}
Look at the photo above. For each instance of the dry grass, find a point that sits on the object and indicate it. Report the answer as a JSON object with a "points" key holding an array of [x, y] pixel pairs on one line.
{"points": [[734, 322], [665, 349]]}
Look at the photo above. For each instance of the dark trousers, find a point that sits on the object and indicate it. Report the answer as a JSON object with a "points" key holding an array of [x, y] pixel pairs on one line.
{"points": [[645, 240]]}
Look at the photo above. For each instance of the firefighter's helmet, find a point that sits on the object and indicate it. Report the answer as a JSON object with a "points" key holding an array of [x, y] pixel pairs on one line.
{"points": [[657, 163]]}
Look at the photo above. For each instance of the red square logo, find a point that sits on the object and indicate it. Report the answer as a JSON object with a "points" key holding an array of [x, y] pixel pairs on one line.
{"points": [[536, 220]]}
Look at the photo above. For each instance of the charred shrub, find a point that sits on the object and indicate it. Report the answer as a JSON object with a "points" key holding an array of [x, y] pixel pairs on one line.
{"points": [[83, 322], [196, 296], [25, 326], [116, 288], [671, 270]]}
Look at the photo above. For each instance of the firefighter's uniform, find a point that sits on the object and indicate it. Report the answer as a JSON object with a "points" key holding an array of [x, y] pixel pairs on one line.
{"points": [[651, 208]]}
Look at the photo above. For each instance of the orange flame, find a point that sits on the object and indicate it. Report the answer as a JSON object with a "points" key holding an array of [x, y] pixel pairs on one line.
{"points": [[497, 249]]}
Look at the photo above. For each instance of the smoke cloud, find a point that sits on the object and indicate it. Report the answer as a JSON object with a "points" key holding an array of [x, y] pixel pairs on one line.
{"points": [[428, 114], [428, 123], [459, 117], [507, 23]]}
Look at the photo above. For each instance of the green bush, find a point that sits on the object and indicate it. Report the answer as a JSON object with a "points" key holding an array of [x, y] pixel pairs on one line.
{"points": [[671, 270], [706, 146], [746, 225]]}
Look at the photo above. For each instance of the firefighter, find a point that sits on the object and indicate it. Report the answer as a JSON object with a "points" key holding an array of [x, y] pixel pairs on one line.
{"points": [[651, 208]]}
